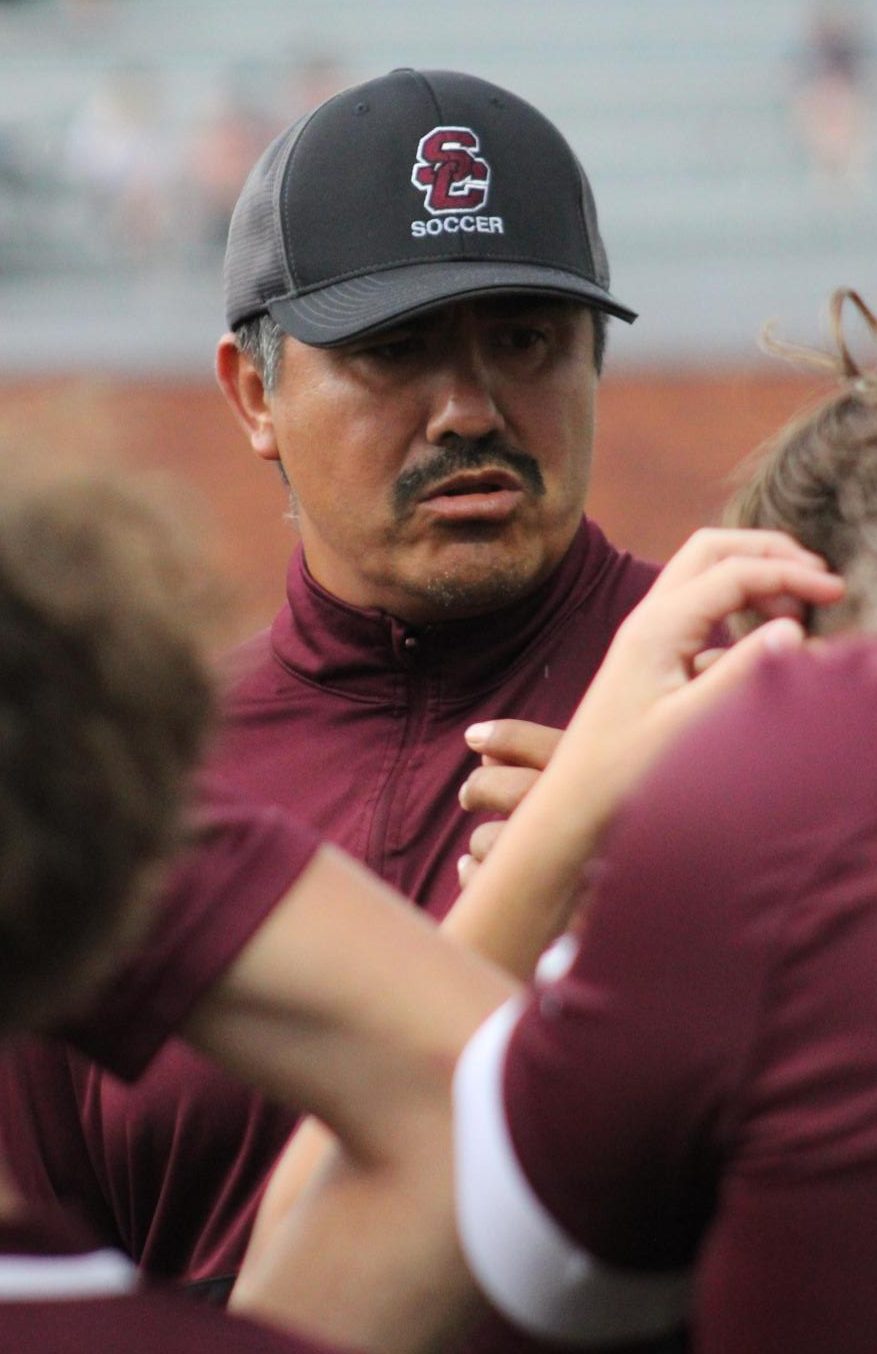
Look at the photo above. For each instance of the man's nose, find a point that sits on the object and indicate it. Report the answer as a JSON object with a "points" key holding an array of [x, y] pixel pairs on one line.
{"points": [[464, 396]]}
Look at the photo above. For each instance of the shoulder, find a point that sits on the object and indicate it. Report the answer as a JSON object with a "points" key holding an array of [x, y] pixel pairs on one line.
{"points": [[749, 804], [243, 667], [617, 576], [244, 860], [783, 743]]}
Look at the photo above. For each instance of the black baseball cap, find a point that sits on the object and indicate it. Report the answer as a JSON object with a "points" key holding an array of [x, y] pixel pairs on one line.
{"points": [[406, 193]]}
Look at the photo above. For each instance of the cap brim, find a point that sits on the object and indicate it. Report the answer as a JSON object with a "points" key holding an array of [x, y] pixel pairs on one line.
{"points": [[362, 305]]}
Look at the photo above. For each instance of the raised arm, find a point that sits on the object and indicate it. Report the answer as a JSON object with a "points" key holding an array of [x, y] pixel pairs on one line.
{"points": [[515, 752], [649, 685]]}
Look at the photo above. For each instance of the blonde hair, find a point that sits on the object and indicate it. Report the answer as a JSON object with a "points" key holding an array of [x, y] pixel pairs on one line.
{"points": [[817, 477]]}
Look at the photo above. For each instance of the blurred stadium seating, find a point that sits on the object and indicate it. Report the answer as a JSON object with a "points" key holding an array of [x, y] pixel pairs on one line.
{"points": [[680, 111], [123, 127]]}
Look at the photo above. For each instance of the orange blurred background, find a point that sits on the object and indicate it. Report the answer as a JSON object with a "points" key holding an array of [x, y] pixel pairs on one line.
{"points": [[666, 443]]}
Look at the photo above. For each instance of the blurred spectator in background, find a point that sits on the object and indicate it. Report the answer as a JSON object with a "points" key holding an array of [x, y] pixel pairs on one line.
{"points": [[315, 78], [253, 106], [832, 104], [228, 137], [86, 11], [115, 150]]}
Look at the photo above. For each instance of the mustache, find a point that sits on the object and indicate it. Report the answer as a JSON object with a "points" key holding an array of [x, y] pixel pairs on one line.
{"points": [[466, 453]]}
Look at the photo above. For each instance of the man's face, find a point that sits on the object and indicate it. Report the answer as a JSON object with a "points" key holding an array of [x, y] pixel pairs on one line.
{"points": [[439, 469]]}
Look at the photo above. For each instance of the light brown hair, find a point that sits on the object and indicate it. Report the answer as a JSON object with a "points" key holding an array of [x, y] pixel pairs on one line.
{"points": [[105, 699], [817, 477]]}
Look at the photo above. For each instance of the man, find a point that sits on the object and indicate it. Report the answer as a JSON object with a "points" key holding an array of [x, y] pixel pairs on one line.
{"points": [[418, 293]]}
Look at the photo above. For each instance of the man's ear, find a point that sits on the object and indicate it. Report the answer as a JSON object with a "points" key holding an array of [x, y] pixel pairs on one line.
{"points": [[242, 386]]}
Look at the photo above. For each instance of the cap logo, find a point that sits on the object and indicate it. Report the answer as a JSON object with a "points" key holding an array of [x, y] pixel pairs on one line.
{"points": [[452, 177]]}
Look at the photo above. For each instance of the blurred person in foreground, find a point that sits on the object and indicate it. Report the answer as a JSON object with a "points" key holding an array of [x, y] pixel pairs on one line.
{"points": [[105, 698]]}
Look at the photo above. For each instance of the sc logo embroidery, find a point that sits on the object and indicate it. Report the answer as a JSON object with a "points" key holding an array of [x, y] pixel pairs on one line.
{"points": [[452, 177]]}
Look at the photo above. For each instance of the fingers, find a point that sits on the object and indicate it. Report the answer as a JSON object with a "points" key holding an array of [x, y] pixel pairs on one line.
{"points": [[705, 659], [513, 752], [467, 868], [644, 688], [709, 545], [730, 666], [516, 742], [481, 842], [484, 839], [676, 623], [774, 586], [496, 789]]}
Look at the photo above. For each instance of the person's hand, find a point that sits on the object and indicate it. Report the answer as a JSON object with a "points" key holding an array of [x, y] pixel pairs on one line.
{"points": [[513, 753], [653, 678], [655, 670]]}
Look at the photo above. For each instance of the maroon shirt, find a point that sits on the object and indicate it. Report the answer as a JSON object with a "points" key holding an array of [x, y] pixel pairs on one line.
{"points": [[700, 1090], [355, 722], [61, 1296]]}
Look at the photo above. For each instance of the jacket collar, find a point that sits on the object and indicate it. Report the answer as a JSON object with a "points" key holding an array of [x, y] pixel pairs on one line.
{"points": [[361, 650]]}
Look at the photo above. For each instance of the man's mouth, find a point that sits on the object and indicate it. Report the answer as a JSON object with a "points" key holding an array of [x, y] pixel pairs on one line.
{"points": [[490, 494], [466, 479]]}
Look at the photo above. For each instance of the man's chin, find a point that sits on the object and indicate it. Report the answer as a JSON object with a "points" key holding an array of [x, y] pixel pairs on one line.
{"points": [[451, 594], [454, 575]]}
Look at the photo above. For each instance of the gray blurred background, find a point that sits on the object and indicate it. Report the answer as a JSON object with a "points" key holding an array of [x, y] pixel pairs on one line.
{"points": [[731, 145]]}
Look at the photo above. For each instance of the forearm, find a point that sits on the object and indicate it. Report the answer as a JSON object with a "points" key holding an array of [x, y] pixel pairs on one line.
{"points": [[306, 1226], [369, 1256], [507, 927], [642, 694], [527, 889], [344, 989], [367, 1036], [308, 1151]]}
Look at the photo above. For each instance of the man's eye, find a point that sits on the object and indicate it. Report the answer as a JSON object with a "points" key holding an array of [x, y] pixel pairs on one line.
{"points": [[520, 338], [394, 348]]}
